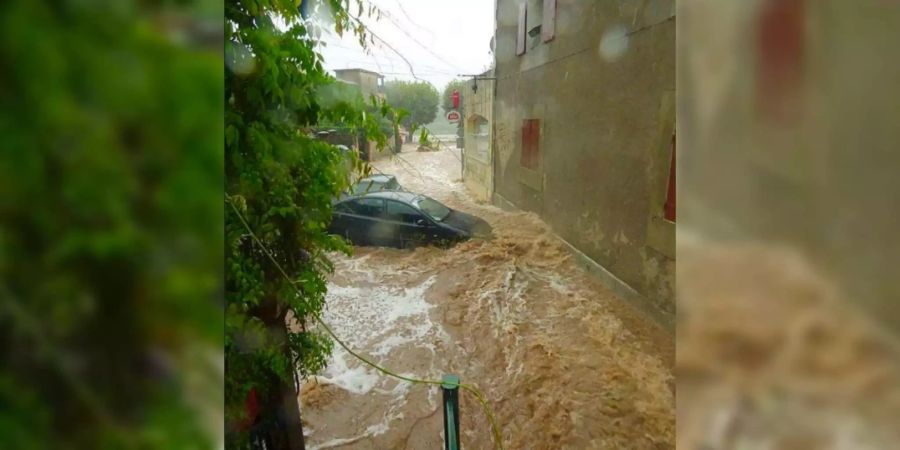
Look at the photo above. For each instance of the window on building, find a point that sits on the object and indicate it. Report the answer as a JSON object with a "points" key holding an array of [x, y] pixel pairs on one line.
{"points": [[531, 138], [780, 51], [533, 21], [670, 193], [537, 23]]}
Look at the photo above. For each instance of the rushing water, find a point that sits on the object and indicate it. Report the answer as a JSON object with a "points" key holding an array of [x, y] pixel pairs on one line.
{"points": [[562, 362]]}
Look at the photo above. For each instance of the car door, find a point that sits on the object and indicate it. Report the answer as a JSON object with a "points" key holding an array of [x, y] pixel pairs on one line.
{"points": [[413, 227], [368, 226], [342, 220]]}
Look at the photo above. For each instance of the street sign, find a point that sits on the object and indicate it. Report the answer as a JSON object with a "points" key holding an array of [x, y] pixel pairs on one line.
{"points": [[453, 116]]}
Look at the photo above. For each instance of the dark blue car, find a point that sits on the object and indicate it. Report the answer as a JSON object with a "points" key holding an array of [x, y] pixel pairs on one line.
{"points": [[402, 219]]}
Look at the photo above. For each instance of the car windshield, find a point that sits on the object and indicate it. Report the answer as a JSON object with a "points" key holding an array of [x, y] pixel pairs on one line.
{"points": [[434, 209]]}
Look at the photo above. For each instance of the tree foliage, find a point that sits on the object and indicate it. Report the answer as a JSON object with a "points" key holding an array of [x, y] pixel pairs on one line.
{"points": [[281, 180], [110, 240], [419, 99]]}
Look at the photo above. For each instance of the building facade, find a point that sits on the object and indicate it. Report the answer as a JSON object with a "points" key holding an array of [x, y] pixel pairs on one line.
{"points": [[369, 82], [478, 105], [583, 134], [792, 128]]}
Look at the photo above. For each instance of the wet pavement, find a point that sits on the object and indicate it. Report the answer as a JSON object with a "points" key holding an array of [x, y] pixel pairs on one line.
{"points": [[562, 361]]}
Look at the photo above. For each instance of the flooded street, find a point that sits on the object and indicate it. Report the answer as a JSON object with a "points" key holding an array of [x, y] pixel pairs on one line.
{"points": [[562, 362]]}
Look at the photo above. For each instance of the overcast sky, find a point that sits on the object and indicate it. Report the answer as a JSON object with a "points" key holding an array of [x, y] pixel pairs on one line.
{"points": [[440, 38]]}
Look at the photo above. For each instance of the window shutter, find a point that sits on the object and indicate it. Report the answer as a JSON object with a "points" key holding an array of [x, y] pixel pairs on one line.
{"points": [[530, 156], [548, 26], [520, 34], [670, 194]]}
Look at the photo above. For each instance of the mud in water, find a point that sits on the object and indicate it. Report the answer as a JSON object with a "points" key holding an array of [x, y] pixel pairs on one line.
{"points": [[561, 360], [770, 355]]}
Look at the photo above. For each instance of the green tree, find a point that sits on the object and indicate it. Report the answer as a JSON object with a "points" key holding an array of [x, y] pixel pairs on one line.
{"points": [[111, 234], [280, 182], [419, 99]]}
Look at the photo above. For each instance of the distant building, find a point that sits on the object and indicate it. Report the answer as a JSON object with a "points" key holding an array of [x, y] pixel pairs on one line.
{"points": [[582, 134], [369, 82]]}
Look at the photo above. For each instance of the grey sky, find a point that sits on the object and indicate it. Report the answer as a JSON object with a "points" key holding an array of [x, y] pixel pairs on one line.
{"points": [[440, 38]]}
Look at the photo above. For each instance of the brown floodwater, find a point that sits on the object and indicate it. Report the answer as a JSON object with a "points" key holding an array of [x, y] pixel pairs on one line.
{"points": [[772, 356], [562, 362]]}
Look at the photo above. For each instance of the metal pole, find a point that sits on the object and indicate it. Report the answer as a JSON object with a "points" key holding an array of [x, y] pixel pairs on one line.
{"points": [[450, 387]]}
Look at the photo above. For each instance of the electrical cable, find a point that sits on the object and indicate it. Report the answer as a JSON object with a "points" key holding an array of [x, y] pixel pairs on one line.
{"points": [[469, 388]]}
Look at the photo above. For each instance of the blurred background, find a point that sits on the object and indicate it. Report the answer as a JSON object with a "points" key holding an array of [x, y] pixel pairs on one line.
{"points": [[788, 114], [111, 181]]}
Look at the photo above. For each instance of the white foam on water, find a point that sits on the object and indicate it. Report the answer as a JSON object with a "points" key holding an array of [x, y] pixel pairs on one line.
{"points": [[358, 379], [376, 320]]}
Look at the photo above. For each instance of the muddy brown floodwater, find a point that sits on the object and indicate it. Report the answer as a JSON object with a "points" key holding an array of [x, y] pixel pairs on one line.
{"points": [[562, 361]]}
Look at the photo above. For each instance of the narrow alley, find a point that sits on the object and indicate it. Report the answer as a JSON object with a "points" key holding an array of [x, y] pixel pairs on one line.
{"points": [[563, 363]]}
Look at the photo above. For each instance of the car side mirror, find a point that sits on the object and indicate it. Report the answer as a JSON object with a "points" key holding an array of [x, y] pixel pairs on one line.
{"points": [[421, 222]]}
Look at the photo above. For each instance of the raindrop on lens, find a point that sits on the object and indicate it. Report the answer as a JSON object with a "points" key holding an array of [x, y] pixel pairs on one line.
{"points": [[614, 43]]}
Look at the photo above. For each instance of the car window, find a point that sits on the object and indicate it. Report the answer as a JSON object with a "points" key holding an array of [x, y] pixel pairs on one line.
{"points": [[400, 212], [372, 207], [367, 186], [433, 208], [343, 208]]}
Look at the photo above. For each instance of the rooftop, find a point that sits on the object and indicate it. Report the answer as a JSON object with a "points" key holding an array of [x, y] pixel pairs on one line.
{"points": [[358, 70]]}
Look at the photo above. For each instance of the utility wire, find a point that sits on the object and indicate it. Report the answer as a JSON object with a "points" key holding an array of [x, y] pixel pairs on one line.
{"points": [[423, 46], [498, 442], [442, 70], [405, 14]]}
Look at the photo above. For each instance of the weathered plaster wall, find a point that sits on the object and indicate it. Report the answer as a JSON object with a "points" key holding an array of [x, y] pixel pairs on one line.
{"points": [[811, 165], [607, 113], [478, 107]]}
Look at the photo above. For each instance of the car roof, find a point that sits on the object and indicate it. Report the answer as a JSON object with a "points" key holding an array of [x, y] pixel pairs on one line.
{"points": [[402, 196]]}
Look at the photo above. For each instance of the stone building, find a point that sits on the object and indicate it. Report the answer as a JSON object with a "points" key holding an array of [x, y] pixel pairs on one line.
{"points": [[583, 130], [478, 104]]}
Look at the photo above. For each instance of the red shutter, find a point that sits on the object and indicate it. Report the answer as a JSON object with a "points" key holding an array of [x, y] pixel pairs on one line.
{"points": [[670, 195], [520, 33], [524, 157], [531, 137], [548, 26], [780, 49]]}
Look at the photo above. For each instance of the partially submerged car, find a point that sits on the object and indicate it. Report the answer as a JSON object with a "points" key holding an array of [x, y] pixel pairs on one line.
{"points": [[403, 220]]}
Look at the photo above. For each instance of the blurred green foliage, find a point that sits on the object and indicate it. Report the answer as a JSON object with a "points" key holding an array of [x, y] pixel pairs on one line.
{"points": [[281, 180], [111, 179]]}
